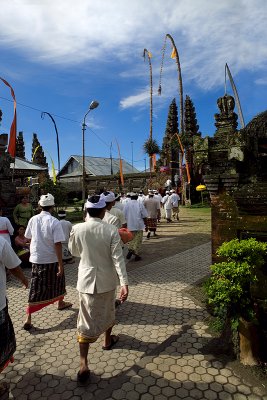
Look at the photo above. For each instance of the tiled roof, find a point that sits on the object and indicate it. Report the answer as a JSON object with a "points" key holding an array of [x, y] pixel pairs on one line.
{"points": [[20, 163], [102, 165]]}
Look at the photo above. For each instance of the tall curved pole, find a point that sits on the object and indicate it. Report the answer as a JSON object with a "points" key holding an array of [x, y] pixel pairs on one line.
{"points": [[54, 122], [241, 118], [146, 52], [180, 81]]}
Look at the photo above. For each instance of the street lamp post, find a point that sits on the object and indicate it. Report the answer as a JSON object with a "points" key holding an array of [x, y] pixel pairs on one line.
{"points": [[55, 125], [132, 155], [94, 104]]}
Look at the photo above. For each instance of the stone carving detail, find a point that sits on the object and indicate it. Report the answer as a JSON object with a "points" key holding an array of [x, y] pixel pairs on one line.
{"points": [[38, 153], [5, 158], [226, 121]]}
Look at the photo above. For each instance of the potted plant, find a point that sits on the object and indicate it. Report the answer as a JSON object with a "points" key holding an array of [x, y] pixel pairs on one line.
{"points": [[229, 291]]}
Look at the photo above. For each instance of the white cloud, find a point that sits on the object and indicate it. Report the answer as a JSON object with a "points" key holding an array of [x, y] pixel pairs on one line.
{"points": [[261, 81], [207, 34]]}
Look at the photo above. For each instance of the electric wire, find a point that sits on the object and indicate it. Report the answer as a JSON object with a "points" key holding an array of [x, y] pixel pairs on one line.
{"points": [[67, 119]]}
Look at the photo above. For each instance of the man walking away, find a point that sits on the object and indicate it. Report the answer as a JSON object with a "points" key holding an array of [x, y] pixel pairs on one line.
{"points": [[67, 227], [175, 198], [166, 201], [101, 264], [158, 197], [109, 217], [153, 211], [47, 278], [135, 214]]}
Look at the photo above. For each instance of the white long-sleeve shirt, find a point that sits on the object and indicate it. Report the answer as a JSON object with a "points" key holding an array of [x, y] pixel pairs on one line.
{"points": [[98, 245], [175, 198], [134, 212], [166, 201]]}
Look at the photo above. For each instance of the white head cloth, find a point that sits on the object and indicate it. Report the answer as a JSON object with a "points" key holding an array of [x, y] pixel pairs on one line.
{"points": [[47, 200], [108, 196], [95, 202]]}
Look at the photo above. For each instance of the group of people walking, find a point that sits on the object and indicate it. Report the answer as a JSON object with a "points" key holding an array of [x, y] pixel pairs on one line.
{"points": [[100, 243]]}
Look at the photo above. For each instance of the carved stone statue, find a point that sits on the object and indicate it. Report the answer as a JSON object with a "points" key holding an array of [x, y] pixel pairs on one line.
{"points": [[5, 158], [226, 121]]}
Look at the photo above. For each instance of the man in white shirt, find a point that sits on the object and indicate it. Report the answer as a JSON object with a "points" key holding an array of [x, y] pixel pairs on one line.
{"points": [[158, 197], [118, 202], [135, 214], [141, 196], [168, 184], [126, 199], [110, 217], [47, 278], [9, 260], [67, 227], [153, 211], [175, 198], [166, 201], [101, 265]]}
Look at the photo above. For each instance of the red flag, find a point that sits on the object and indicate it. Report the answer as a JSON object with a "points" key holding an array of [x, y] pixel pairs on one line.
{"points": [[13, 129]]}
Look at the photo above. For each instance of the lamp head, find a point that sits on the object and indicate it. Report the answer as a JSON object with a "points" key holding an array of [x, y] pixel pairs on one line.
{"points": [[94, 104]]}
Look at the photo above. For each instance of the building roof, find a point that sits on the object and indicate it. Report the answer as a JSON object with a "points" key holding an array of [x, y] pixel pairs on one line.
{"points": [[21, 164], [101, 166]]}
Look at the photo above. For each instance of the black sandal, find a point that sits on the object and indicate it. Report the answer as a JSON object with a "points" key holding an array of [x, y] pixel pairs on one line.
{"points": [[113, 340], [82, 377]]}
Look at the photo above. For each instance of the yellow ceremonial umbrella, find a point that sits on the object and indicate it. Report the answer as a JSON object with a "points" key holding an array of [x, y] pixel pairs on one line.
{"points": [[200, 188]]}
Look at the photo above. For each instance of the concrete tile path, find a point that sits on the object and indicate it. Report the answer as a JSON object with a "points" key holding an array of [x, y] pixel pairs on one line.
{"points": [[160, 354]]}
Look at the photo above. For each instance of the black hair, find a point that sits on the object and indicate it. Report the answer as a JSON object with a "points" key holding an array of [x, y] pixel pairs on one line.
{"points": [[95, 212], [20, 226], [134, 197], [46, 208]]}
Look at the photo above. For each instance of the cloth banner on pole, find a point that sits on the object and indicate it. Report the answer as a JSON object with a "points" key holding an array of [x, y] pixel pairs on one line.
{"points": [[121, 171], [13, 129]]}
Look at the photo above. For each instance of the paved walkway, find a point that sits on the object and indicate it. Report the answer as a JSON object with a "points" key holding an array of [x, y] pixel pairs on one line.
{"points": [[160, 355]]}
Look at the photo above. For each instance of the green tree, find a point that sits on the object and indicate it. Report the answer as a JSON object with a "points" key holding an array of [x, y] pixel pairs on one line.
{"points": [[170, 146]]}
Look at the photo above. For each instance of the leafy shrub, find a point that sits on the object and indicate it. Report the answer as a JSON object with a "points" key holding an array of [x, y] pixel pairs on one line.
{"points": [[228, 288]]}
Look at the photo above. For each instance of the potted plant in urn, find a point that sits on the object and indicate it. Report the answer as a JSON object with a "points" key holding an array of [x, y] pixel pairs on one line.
{"points": [[229, 292]]}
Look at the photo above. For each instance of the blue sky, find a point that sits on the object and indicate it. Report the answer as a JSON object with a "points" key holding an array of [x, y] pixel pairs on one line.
{"points": [[60, 55]]}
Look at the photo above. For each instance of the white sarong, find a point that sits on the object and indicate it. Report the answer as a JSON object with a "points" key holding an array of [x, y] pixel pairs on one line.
{"points": [[96, 315]]}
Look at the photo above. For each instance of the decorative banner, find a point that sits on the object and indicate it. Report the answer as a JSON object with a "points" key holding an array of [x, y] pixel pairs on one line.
{"points": [[13, 129], [121, 171], [186, 165], [54, 175], [187, 172], [36, 148], [173, 55]]}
